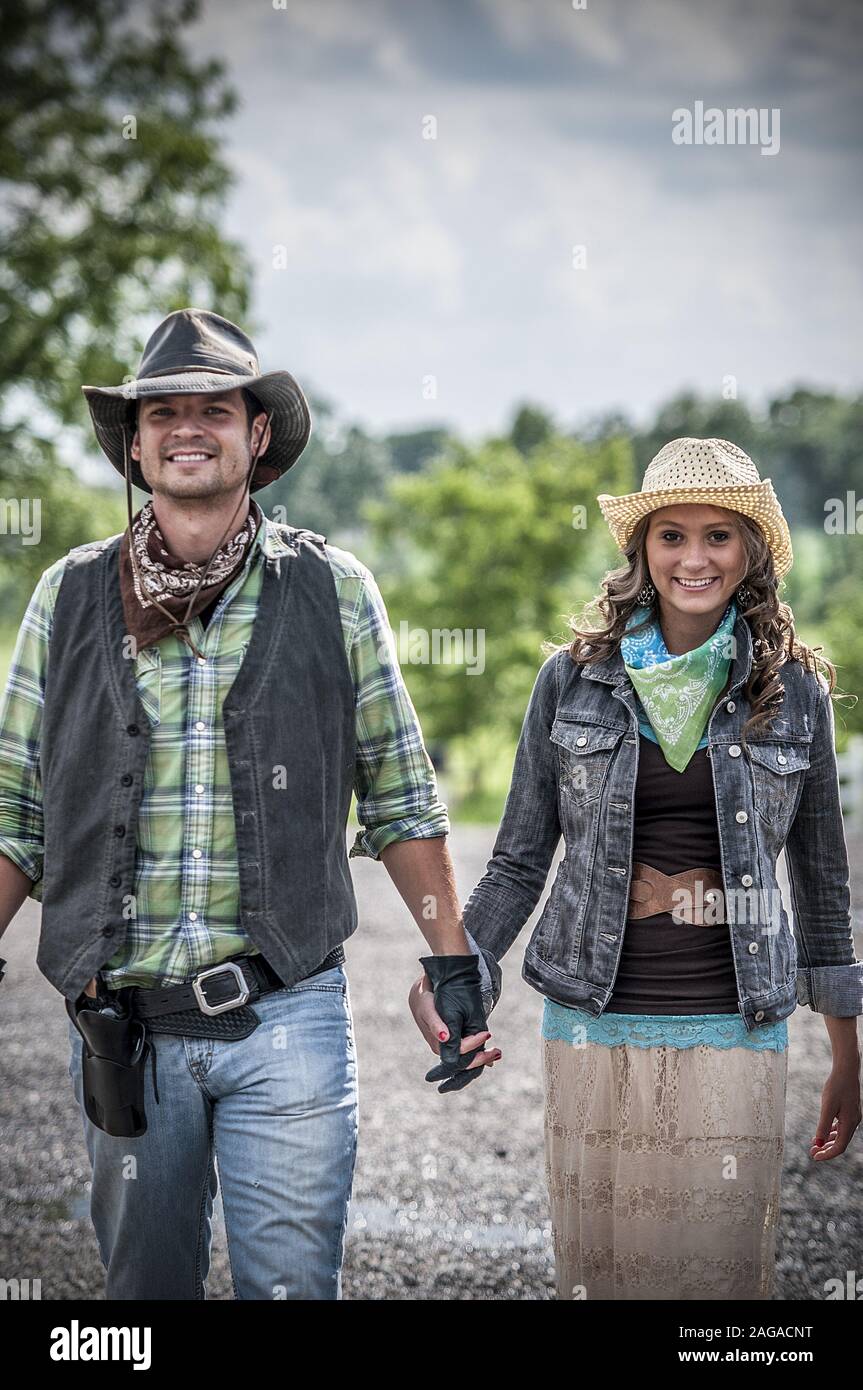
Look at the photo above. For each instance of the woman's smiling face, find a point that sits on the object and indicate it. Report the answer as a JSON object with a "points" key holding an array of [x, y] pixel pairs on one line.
{"points": [[688, 545]]}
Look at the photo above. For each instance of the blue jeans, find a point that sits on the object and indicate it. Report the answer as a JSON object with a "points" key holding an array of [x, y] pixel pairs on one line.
{"points": [[278, 1112]]}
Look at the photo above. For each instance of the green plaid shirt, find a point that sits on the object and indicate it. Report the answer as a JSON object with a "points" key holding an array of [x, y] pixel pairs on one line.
{"points": [[185, 912]]}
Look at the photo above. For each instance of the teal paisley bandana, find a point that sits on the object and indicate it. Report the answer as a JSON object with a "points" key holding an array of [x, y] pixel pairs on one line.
{"points": [[677, 692]]}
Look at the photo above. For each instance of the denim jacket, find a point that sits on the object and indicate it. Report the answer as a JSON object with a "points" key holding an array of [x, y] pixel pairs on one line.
{"points": [[575, 773]]}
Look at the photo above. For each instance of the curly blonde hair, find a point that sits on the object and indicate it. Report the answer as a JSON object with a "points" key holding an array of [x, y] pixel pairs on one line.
{"points": [[771, 622]]}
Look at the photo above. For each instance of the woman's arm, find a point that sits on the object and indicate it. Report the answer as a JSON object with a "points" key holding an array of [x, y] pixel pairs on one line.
{"points": [[508, 892], [529, 832], [840, 1099], [829, 977]]}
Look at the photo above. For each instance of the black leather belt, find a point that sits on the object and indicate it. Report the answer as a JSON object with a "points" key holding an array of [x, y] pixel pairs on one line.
{"points": [[215, 1004]]}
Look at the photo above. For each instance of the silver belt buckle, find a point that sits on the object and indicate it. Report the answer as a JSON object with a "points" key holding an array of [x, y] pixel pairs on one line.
{"points": [[243, 997]]}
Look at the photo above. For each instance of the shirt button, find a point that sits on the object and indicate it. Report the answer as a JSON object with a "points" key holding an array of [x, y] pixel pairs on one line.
{"points": [[193, 916], [746, 880], [759, 1016], [753, 948], [580, 742], [200, 725], [199, 788], [731, 707], [734, 751], [781, 758], [201, 660], [196, 854], [742, 817]]}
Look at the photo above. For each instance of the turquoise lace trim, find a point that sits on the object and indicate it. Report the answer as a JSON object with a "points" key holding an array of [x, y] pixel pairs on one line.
{"points": [[563, 1024]]}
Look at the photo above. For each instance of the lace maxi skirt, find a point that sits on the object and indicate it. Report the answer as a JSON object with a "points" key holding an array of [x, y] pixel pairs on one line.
{"points": [[663, 1161]]}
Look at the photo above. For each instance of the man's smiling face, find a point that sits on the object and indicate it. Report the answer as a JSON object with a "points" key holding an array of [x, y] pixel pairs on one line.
{"points": [[196, 445]]}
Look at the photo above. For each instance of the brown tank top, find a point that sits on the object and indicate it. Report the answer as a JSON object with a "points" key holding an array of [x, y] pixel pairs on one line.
{"points": [[668, 967]]}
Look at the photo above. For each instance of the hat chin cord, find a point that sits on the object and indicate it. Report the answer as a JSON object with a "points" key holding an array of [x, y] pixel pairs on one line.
{"points": [[180, 626]]}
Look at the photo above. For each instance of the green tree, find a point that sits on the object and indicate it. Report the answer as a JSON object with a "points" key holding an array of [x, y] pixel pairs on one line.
{"points": [[497, 548], [531, 426], [812, 439], [56, 512], [112, 187], [412, 450], [703, 418], [112, 183], [340, 468]]}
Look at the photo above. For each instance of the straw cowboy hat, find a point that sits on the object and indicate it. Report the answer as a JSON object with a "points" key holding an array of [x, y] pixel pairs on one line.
{"points": [[703, 470], [195, 351]]}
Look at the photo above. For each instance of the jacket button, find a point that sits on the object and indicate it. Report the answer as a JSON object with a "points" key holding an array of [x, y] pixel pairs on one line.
{"points": [[132, 729], [127, 779], [746, 880], [734, 751], [752, 948], [781, 758], [731, 707], [580, 742], [114, 880], [741, 817], [759, 1016], [119, 829], [107, 931]]}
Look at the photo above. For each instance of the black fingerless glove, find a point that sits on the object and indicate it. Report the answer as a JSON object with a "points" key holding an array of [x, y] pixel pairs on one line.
{"points": [[458, 1000]]}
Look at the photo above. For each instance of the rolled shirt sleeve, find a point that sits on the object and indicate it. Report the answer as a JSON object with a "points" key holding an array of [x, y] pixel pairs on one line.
{"points": [[394, 781]]}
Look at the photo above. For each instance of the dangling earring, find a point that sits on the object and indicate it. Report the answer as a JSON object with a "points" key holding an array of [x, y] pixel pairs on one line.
{"points": [[646, 594], [744, 595]]}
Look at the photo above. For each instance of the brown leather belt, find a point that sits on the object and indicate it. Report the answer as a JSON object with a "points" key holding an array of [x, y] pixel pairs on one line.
{"points": [[651, 892]]}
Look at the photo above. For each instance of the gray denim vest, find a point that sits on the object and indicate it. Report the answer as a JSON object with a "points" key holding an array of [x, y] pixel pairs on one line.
{"points": [[291, 705]]}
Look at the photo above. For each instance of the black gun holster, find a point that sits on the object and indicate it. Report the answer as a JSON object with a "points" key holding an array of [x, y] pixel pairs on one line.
{"points": [[114, 1062]]}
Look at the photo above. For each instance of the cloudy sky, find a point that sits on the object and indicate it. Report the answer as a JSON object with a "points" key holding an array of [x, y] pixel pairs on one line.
{"points": [[418, 265]]}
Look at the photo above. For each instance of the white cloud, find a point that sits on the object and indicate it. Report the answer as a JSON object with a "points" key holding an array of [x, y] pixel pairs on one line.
{"points": [[452, 257]]}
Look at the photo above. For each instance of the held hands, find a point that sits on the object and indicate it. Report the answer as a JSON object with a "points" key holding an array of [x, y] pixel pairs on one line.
{"points": [[447, 1007]]}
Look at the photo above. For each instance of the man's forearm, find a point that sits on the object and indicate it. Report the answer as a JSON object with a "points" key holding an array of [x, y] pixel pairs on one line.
{"points": [[14, 887], [422, 871]]}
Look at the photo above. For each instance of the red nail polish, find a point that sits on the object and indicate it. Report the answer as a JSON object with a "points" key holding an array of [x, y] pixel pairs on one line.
{"points": [[442, 1037]]}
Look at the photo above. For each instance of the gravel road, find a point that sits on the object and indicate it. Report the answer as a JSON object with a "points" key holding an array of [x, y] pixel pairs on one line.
{"points": [[449, 1195]]}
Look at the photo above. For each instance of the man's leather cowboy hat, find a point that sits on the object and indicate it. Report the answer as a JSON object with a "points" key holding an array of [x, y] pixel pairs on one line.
{"points": [[194, 351]]}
